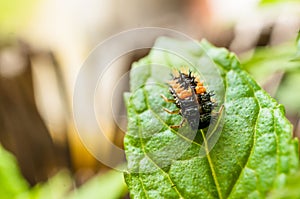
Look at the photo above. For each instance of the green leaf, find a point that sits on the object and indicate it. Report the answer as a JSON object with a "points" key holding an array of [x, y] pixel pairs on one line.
{"points": [[11, 181], [253, 149]]}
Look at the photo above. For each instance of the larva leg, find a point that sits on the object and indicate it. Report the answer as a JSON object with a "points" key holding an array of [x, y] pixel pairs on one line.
{"points": [[171, 112], [221, 110], [178, 126], [166, 99]]}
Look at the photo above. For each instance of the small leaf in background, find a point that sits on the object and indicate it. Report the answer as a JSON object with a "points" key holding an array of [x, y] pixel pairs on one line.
{"points": [[269, 61], [272, 2], [11, 181], [288, 91], [288, 187], [110, 185], [297, 57], [255, 145], [56, 187]]}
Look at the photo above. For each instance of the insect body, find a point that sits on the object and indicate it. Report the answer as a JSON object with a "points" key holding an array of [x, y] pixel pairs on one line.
{"points": [[194, 103]]}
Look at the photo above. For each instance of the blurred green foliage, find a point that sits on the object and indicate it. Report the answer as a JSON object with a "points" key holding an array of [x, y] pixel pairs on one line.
{"points": [[11, 180], [272, 2], [110, 185], [297, 57], [287, 187], [56, 187], [267, 61]]}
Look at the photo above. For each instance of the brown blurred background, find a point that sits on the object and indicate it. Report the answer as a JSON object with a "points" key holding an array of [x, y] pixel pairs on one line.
{"points": [[43, 44]]}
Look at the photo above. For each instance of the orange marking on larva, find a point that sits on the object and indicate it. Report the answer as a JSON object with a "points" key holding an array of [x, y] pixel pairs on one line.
{"points": [[184, 94], [200, 89], [173, 83], [179, 91], [188, 91], [200, 83], [175, 86]]}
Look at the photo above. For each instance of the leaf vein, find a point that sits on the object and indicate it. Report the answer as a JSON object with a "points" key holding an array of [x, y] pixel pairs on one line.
{"points": [[164, 173]]}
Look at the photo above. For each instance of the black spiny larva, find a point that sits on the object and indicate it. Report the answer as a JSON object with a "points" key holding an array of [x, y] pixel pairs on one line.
{"points": [[194, 103]]}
